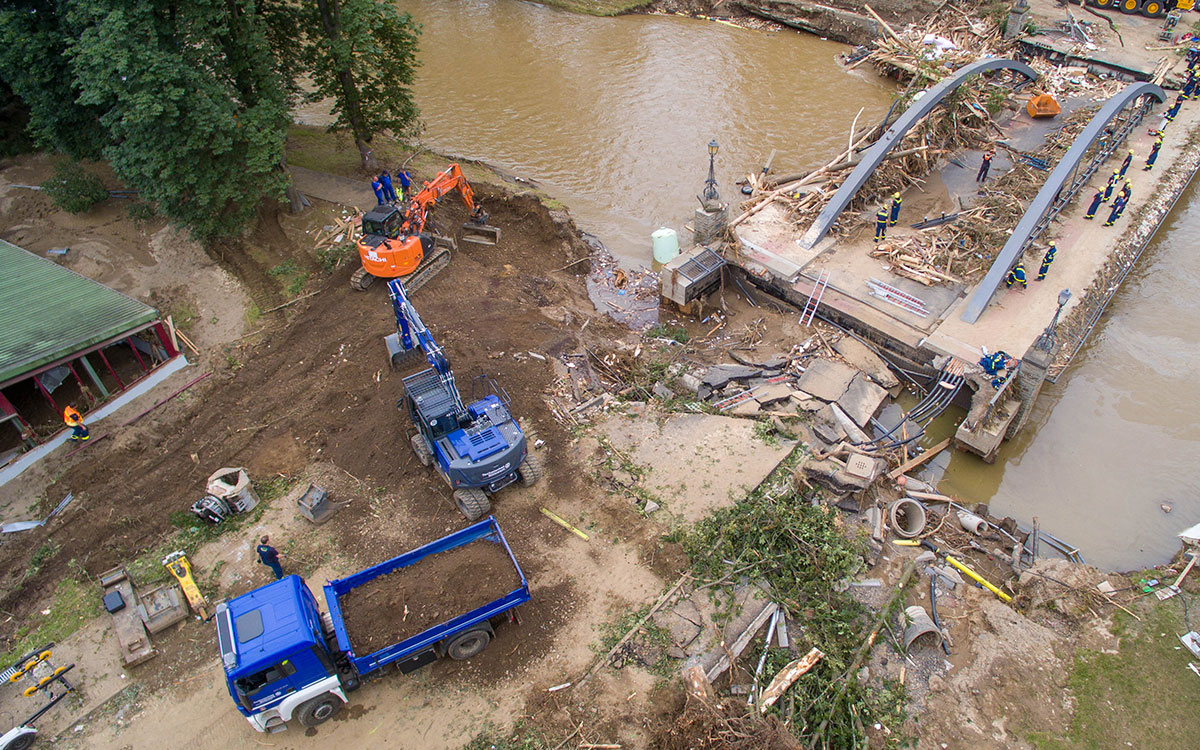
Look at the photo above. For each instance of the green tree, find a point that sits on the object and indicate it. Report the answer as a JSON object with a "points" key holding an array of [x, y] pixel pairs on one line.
{"points": [[362, 55], [194, 109], [34, 39]]}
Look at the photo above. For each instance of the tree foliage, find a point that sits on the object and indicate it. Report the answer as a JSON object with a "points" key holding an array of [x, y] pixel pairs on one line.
{"points": [[362, 55], [74, 189], [189, 101]]}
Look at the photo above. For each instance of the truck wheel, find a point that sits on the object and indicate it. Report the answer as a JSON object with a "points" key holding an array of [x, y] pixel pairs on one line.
{"points": [[1129, 7], [1154, 9], [467, 644], [318, 710], [421, 448], [24, 742], [472, 503], [530, 470]]}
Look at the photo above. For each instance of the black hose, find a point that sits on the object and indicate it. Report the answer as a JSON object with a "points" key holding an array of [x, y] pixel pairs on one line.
{"points": [[933, 608]]}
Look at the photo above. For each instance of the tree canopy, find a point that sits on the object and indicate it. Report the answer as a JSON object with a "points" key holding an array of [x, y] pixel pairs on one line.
{"points": [[189, 101]]}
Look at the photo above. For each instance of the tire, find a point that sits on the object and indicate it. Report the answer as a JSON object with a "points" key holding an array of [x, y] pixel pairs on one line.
{"points": [[1129, 7], [468, 644], [530, 470], [318, 710], [472, 503], [1104, 3], [24, 742], [1154, 9], [424, 455]]}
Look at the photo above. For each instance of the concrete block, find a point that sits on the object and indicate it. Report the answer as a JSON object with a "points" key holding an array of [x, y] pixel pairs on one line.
{"points": [[773, 393], [862, 399], [719, 376], [858, 354], [826, 379]]}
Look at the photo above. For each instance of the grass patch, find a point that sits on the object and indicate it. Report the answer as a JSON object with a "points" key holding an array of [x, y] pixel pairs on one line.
{"points": [[674, 333], [648, 648], [1142, 696], [74, 603], [799, 551], [253, 313], [522, 737], [184, 316]]}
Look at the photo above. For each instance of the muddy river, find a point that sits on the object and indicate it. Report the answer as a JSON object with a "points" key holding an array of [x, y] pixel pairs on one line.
{"points": [[611, 116]]}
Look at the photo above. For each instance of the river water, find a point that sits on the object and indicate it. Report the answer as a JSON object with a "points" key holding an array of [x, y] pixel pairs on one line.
{"points": [[611, 116]]}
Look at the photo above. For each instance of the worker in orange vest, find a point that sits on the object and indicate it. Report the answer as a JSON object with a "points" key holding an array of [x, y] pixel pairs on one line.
{"points": [[74, 420]]}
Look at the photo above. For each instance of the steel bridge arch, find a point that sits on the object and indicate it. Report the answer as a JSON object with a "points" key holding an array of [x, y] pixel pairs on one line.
{"points": [[1060, 187], [875, 155]]}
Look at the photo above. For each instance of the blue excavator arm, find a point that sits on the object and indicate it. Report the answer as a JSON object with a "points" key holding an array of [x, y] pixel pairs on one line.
{"points": [[412, 333]]}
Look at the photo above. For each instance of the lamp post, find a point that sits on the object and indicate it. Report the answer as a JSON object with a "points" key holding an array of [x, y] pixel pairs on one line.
{"points": [[1045, 341], [710, 185]]}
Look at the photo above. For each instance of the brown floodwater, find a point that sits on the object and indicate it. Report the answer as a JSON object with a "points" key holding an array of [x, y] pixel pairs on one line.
{"points": [[612, 116]]}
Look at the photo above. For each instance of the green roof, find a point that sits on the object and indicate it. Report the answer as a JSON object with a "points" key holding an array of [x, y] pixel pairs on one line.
{"points": [[48, 312]]}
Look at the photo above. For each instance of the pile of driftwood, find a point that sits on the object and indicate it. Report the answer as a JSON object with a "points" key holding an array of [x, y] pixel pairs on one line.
{"points": [[930, 50], [343, 229], [918, 258]]}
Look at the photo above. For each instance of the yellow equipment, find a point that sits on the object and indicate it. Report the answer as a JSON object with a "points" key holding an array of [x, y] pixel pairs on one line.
{"points": [[178, 565], [960, 566]]}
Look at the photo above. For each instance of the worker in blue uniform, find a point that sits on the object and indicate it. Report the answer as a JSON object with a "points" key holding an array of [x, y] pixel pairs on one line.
{"points": [[377, 186], [1047, 259], [1189, 88], [1174, 110], [1112, 184], [881, 223], [389, 192], [895, 217], [1097, 199], [1125, 164], [1016, 275], [995, 364], [1153, 155], [269, 556], [1118, 208]]}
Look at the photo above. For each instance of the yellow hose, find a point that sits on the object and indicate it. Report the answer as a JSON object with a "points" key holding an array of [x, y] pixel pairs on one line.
{"points": [[982, 581]]}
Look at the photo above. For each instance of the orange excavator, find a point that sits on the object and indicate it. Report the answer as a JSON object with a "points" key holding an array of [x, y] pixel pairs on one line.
{"points": [[403, 242]]}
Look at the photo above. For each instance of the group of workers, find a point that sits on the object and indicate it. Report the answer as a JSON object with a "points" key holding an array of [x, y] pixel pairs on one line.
{"points": [[385, 191], [887, 216]]}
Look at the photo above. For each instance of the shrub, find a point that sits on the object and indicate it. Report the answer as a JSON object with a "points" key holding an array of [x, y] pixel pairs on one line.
{"points": [[74, 189]]}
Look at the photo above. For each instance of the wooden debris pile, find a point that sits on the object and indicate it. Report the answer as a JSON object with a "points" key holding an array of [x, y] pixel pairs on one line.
{"points": [[919, 258], [932, 50]]}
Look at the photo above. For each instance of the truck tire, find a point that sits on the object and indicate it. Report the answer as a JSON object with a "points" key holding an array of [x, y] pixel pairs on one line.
{"points": [[530, 470], [318, 710], [472, 503], [1129, 7], [24, 742], [468, 644], [1106, 4], [1154, 9], [421, 448]]}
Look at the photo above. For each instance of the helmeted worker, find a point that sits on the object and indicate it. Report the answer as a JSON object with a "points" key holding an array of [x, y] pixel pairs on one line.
{"points": [[985, 165], [389, 192], [1174, 110], [1117, 209], [1189, 88], [377, 186], [1153, 155], [895, 210], [1097, 199], [1125, 164], [1112, 184], [995, 364], [881, 222], [1126, 192], [1047, 259], [1016, 275], [74, 420]]}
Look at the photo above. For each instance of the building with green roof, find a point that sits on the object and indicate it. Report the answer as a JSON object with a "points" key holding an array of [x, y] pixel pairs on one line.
{"points": [[66, 340]]}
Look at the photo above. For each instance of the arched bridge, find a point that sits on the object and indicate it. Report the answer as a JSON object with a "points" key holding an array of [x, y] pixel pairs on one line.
{"points": [[875, 155]]}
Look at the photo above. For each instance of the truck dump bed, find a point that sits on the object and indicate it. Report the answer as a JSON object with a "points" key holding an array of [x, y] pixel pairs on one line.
{"points": [[405, 605]]}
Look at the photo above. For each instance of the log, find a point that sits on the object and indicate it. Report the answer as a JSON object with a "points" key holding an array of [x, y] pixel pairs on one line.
{"points": [[891, 32], [742, 641], [787, 676], [911, 464]]}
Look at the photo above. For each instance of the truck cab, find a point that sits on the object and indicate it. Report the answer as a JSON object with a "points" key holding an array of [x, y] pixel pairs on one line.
{"points": [[276, 657]]}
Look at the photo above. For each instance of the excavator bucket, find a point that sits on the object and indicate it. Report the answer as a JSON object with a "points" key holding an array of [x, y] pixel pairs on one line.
{"points": [[480, 234], [1043, 105]]}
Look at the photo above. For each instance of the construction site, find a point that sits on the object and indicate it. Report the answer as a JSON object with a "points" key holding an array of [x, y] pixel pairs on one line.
{"points": [[503, 460]]}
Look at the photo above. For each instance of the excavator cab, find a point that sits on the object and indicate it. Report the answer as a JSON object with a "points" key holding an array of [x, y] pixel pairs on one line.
{"points": [[380, 223]]}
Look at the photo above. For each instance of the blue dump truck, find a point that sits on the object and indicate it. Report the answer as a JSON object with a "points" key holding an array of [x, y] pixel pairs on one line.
{"points": [[285, 659]]}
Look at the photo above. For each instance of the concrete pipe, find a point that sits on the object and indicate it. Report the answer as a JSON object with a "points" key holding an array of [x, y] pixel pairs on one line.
{"points": [[972, 523], [919, 624], [908, 517]]}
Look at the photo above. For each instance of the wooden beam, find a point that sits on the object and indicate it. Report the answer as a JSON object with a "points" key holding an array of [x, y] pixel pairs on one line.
{"points": [[913, 463]]}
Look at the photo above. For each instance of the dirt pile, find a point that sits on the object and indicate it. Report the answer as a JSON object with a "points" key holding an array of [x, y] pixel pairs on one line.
{"points": [[388, 609]]}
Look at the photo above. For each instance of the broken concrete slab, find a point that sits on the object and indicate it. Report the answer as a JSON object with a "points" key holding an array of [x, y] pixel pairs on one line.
{"points": [[773, 393], [826, 379], [662, 392], [719, 376], [860, 355], [684, 623], [696, 463], [843, 420], [773, 362], [748, 408], [826, 428], [862, 399], [805, 402]]}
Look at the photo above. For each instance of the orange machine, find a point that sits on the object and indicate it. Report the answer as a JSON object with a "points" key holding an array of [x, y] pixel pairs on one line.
{"points": [[403, 242]]}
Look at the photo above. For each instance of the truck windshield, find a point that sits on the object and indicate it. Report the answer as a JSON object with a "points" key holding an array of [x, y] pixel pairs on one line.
{"points": [[251, 685]]}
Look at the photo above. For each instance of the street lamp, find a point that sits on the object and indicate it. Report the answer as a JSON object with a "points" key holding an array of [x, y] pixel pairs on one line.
{"points": [[1045, 341], [710, 185]]}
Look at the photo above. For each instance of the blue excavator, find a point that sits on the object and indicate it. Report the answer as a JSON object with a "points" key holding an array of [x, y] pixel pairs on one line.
{"points": [[478, 448]]}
